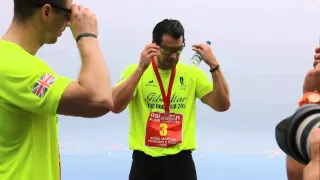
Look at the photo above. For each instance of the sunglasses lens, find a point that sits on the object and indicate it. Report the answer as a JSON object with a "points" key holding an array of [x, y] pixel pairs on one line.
{"points": [[171, 50]]}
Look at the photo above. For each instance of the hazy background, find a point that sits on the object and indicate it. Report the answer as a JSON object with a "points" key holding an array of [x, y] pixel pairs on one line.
{"points": [[264, 49]]}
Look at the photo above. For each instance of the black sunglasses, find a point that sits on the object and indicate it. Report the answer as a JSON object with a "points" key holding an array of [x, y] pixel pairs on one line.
{"points": [[68, 11], [52, 5], [57, 7]]}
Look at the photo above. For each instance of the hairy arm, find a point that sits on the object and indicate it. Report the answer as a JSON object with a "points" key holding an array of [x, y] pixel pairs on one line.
{"points": [[123, 93], [91, 95], [219, 98]]}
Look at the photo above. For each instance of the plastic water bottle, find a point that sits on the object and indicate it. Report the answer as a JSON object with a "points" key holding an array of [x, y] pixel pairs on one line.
{"points": [[196, 58]]}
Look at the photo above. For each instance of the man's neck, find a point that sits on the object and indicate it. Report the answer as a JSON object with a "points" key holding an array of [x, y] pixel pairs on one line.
{"points": [[24, 35]]}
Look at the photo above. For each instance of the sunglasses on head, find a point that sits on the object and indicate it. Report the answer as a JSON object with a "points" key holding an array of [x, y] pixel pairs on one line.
{"points": [[68, 11], [60, 8], [52, 5]]}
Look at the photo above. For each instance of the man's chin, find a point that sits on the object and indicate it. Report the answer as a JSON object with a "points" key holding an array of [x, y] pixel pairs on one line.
{"points": [[52, 41], [171, 65]]}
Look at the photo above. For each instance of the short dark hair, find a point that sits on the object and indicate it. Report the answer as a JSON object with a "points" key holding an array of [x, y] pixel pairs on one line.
{"points": [[24, 9], [168, 26]]}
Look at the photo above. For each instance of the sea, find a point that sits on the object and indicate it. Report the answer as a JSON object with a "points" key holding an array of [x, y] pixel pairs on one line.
{"points": [[115, 165]]}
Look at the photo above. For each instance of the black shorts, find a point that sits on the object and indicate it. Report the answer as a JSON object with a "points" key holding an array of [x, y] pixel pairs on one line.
{"points": [[172, 167]]}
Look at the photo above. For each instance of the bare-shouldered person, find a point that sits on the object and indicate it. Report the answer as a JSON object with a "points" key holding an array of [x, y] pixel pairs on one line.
{"points": [[311, 83], [311, 171]]}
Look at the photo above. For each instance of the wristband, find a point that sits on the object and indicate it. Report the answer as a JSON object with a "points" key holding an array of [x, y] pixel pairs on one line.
{"points": [[85, 35], [214, 69]]}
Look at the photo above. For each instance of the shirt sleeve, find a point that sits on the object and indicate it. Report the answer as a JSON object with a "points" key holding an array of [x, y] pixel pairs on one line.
{"points": [[126, 74], [203, 83], [38, 92]]}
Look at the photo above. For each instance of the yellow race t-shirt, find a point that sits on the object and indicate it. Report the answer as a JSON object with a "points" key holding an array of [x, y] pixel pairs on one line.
{"points": [[190, 83], [29, 96]]}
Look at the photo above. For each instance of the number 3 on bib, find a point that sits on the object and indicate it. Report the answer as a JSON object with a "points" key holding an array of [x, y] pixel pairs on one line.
{"points": [[163, 130]]}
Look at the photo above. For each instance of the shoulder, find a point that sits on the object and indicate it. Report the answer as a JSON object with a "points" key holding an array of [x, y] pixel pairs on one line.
{"points": [[128, 70], [188, 67], [311, 80], [14, 58], [22, 67], [131, 67], [23, 64], [190, 70], [311, 73]]}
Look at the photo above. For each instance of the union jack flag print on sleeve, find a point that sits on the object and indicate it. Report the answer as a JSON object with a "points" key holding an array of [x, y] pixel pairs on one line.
{"points": [[42, 85]]}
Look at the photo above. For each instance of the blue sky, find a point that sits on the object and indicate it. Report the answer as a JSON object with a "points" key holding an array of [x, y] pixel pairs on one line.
{"points": [[264, 49]]}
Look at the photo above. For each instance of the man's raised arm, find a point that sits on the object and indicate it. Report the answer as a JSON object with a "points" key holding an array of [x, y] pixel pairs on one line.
{"points": [[123, 93], [91, 95]]}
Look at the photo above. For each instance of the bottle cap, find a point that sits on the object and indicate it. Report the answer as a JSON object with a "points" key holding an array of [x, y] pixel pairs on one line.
{"points": [[208, 42]]}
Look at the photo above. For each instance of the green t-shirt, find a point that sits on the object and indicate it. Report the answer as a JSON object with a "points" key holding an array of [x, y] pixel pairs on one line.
{"points": [[190, 83], [29, 96]]}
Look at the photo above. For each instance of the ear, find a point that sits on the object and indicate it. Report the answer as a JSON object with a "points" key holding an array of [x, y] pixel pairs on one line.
{"points": [[46, 11]]}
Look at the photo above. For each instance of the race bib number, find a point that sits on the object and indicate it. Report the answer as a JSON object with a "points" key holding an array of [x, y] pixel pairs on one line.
{"points": [[164, 130]]}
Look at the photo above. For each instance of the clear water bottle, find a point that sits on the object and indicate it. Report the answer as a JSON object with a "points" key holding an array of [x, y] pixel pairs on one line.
{"points": [[196, 58]]}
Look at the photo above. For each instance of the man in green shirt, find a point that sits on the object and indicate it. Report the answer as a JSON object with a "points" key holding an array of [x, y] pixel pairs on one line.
{"points": [[160, 92], [32, 94]]}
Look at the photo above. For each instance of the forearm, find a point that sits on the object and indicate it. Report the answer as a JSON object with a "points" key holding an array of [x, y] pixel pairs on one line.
{"points": [[220, 94], [94, 75], [122, 94], [225, 85]]}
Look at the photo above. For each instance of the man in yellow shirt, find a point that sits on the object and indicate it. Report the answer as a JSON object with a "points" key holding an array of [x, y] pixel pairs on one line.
{"points": [[32, 94], [161, 93]]}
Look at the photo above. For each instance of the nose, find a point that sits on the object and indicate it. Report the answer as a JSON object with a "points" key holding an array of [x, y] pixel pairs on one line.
{"points": [[173, 55]]}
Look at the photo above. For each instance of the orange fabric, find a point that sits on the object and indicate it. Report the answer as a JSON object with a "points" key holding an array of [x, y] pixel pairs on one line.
{"points": [[305, 100]]}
